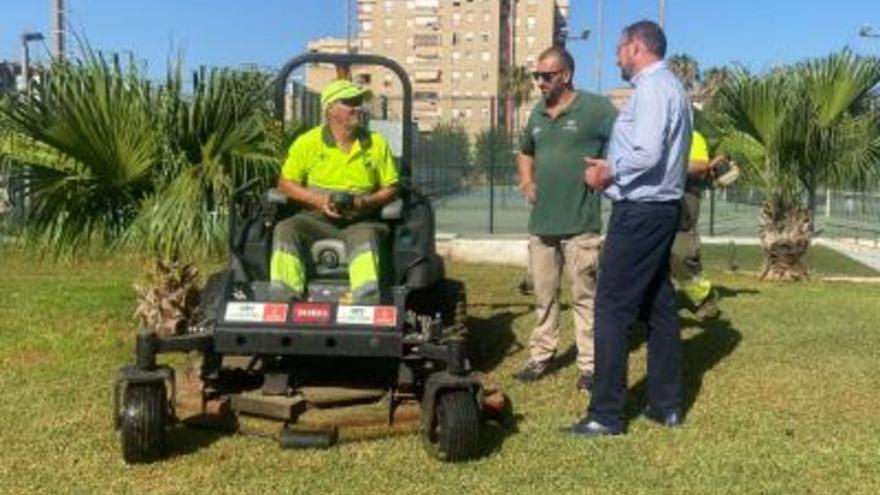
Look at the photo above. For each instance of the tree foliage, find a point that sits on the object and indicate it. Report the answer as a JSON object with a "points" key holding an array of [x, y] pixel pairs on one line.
{"points": [[111, 158], [794, 129]]}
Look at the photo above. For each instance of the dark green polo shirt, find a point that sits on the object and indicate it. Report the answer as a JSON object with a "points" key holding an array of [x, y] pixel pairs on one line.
{"points": [[565, 205]]}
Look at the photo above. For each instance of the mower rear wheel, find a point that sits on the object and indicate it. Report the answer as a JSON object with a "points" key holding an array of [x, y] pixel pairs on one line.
{"points": [[143, 419], [455, 427]]}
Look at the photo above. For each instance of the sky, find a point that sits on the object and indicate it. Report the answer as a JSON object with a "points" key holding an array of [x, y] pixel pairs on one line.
{"points": [[758, 34]]}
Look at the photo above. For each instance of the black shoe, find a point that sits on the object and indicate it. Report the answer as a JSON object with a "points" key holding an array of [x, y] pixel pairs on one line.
{"points": [[534, 370], [585, 382], [671, 419], [589, 428]]}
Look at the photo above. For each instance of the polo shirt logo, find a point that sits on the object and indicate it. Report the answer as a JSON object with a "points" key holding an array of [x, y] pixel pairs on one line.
{"points": [[536, 131], [570, 125]]}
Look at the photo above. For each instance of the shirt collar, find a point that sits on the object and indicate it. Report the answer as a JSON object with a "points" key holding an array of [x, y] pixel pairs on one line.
{"points": [[647, 71], [572, 105], [327, 136]]}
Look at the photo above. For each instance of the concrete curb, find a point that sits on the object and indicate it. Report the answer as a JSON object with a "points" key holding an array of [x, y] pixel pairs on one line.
{"points": [[514, 251]]}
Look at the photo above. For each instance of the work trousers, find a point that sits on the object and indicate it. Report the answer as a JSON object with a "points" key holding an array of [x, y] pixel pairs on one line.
{"points": [[685, 260], [294, 237], [579, 256]]}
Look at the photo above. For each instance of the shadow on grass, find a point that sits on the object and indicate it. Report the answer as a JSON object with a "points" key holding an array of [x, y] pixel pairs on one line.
{"points": [[492, 339], [497, 427], [700, 353], [197, 433]]}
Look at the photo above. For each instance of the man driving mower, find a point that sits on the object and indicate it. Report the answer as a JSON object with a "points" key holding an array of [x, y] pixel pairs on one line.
{"points": [[342, 175]]}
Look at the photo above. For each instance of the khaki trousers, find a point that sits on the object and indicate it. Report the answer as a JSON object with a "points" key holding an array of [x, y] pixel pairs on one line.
{"points": [[579, 256]]}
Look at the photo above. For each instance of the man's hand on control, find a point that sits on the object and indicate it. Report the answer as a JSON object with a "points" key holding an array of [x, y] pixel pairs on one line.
{"points": [[327, 208]]}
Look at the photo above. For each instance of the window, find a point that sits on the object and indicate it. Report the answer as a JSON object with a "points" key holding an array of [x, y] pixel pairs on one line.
{"points": [[485, 57], [485, 77], [484, 37], [456, 75], [456, 56], [389, 22], [469, 74], [530, 41], [366, 7], [469, 37], [456, 19], [426, 21], [531, 22], [454, 39], [366, 43], [366, 26], [364, 79]]}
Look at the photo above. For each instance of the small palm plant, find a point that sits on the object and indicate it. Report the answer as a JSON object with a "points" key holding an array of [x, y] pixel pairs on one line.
{"points": [[793, 130]]}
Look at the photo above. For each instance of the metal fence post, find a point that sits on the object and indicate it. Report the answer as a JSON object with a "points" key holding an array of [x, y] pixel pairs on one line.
{"points": [[492, 144], [711, 212]]}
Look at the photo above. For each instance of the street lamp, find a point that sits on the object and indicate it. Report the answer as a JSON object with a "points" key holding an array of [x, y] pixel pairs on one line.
{"points": [[869, 32], [25, 57]]}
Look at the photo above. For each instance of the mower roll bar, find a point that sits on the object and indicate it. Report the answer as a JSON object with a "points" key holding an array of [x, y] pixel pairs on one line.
{"points": [[347, 60]]}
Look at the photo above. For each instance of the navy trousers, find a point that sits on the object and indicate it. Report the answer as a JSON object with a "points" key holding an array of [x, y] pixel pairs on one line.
{"points": [[634, 281]]}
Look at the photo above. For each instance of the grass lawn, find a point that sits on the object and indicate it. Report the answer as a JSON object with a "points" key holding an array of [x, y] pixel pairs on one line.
{"points": [[782, 397]]}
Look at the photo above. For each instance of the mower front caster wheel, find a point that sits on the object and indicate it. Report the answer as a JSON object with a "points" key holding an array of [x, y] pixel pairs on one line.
{"points": [[142, 422]]}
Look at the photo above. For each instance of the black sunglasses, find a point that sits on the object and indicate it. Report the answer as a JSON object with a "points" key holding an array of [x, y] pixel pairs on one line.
{"points": [[355, 101], [545, 76]]}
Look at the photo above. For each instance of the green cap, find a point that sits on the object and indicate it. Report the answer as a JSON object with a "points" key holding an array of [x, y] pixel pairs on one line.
{"points": [[342, 89]]}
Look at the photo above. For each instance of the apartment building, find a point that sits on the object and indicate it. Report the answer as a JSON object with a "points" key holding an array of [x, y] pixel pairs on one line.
{"points": [[455, 52]]}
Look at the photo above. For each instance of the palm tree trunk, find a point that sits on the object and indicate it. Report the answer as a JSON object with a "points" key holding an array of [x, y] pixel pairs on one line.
{"points": [[785, 238]]}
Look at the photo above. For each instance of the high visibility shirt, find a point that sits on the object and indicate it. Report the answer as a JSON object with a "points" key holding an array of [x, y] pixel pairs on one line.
{"points": [[699, 148], [315, 161]]}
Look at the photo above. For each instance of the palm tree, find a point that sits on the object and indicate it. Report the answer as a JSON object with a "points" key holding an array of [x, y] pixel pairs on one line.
{"points": [[714, 78], [686, 68], [88, 138], [219, 134], [516, 89], [793, 130]]}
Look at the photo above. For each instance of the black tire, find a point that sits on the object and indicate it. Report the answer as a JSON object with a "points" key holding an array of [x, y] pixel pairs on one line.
{"points": [[143, 420], [454, 434]]}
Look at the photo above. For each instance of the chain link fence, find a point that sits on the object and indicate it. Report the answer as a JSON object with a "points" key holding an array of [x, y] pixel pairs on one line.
{"points": [[468, 166]]}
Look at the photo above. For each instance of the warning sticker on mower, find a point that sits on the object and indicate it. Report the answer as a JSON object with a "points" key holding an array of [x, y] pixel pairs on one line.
{"points": [[379, 316], [256, 312], [311, 313], [385, 316]]}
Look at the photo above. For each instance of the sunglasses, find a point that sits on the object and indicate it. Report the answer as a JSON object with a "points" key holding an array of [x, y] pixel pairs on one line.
{"points": [[545, 76], [353, 102]]}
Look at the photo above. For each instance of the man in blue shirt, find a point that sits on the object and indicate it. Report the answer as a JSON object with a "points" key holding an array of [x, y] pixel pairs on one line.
{"points": [[644, 177]]}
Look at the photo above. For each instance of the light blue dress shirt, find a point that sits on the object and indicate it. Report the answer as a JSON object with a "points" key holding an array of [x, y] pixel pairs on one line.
{"points": [[651, 139]]}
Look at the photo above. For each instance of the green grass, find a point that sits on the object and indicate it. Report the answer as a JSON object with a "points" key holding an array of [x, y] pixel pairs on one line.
{"points": [[782, 398], [822, 261]]}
